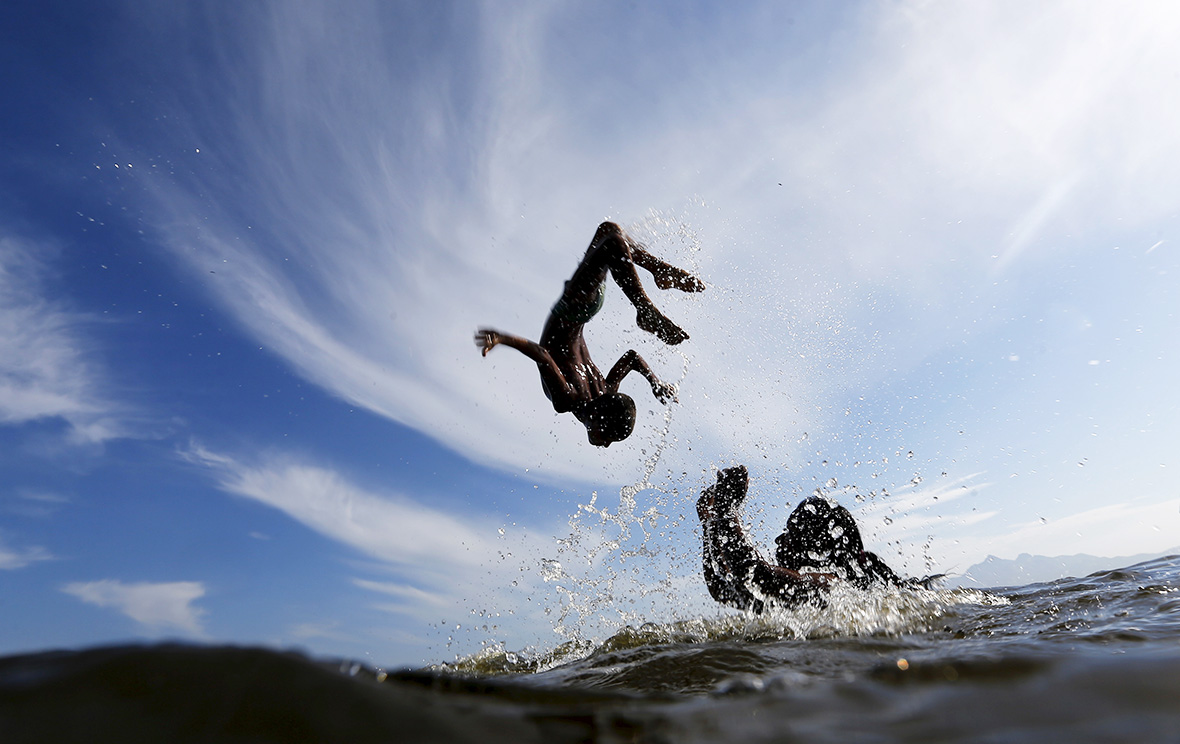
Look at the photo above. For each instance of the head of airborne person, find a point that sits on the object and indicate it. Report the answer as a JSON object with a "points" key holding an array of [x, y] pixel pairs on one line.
{"points": [[608, 418]]}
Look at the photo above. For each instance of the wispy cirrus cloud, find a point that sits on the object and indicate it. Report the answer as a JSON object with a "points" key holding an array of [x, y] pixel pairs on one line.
{"points": [[949, 526], [12, 558], [47, 368], [157, 606], [461, 192], [441, 560], [389, 527], [32, 503], [1117, 529], [407, 599], [855, 219]]}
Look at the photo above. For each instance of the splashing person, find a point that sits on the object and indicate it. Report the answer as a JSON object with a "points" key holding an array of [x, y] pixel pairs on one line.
{"points": [[820, 545], [569, 377]]}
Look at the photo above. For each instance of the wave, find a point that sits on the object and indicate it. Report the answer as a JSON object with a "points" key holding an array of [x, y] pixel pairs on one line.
{"points": [[1081, 659], [848, 613]]}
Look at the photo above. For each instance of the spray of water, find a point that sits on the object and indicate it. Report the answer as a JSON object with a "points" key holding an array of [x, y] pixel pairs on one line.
{"points": [[614, 566], [614, 581]]}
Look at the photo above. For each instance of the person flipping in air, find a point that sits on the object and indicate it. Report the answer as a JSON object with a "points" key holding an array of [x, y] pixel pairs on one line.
{"points": [[569, 377]]}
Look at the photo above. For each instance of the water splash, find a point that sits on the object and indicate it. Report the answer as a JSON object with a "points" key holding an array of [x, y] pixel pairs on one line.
{"points": [[623, 565], [610, 558], [849, 613], [616, 563]]}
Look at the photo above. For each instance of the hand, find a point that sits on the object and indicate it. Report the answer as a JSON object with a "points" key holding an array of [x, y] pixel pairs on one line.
{"points": [[731, 487], [663, 391], [486, 339], [705, 505]]}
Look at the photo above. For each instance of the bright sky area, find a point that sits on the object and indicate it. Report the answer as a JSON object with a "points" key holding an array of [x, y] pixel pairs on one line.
{"points": [[244, 247]]}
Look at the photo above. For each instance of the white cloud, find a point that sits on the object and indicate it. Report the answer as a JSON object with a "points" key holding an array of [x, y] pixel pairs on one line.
{"points": [[949, 527], [159, 607], [915, 511], [14, 558], [954, 154], [46, 369], [390, 527], [1114, 530], [458, 557], [403, 592], [946, 114], [32, 503]]}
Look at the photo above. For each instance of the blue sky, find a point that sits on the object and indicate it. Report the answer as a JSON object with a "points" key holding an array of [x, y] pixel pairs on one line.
{"points": [[243, 249]]}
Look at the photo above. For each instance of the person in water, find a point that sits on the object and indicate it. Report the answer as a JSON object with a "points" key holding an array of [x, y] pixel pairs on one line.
{"points": [[569, 377], [820, 545]]}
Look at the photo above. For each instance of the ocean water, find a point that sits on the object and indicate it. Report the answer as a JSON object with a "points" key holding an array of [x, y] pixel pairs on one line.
{"points": [[1093, 659]]}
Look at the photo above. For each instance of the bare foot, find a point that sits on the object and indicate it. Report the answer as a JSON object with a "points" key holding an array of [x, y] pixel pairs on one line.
{"points": [[670, 277], [652, 321]]}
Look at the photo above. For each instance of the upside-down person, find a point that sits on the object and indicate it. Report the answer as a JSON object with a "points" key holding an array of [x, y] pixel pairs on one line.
{"points": [[569, 377]]}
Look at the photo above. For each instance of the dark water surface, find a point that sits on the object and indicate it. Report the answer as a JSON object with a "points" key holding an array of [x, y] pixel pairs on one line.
{"points": [[1095, 659]]}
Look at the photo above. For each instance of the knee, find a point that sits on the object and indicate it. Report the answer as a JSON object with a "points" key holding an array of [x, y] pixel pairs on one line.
{"points": [[611, 234], [611, 239], [609, 229]]}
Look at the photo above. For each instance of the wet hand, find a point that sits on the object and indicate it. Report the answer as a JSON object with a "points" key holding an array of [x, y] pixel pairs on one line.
{"points": [[486, 339], [705, 505], [663, 391], [731, 488]]}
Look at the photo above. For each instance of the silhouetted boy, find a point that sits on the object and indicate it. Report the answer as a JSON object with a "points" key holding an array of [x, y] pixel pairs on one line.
{"points": [[569, 377]]}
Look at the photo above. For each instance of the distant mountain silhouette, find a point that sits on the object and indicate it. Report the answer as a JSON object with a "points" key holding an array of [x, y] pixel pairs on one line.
{"points": [[1032, 569]]}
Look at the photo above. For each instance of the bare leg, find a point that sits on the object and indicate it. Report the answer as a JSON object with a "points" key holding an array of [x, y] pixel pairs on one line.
{"points": [[612, 248], [666, 275]]}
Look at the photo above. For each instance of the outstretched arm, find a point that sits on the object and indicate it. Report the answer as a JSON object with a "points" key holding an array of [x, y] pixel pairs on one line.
{"points": [[727, 555], [632, 362], [487, 339], [735, 573]]}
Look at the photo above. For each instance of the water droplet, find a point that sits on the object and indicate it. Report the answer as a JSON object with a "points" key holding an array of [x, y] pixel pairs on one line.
{"points": [[550, 570]]}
